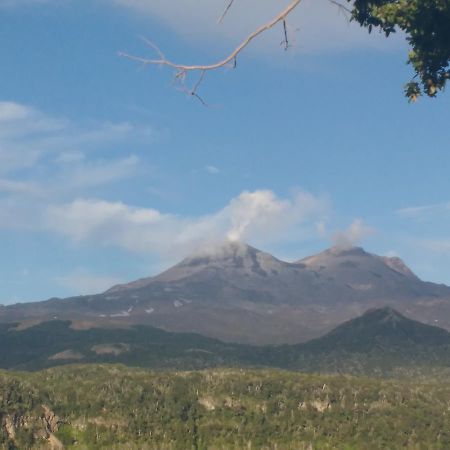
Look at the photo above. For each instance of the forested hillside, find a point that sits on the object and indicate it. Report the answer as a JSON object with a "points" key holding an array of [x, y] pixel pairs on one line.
{"points": [[114, 407], [379, 343]]}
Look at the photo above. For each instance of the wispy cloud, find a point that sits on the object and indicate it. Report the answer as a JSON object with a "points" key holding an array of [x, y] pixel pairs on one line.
{"points": [[252, 216], [46, 160], [66, 154], [28, 136], [213, 170], [424, 211], [317, 25]]}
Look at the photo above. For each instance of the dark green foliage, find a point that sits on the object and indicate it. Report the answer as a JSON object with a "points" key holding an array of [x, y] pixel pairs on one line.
{"points": [[119, 407], [35, 348], [426, 24]]}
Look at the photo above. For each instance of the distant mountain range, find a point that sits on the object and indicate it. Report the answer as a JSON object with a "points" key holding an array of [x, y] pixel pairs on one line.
{"points": [[380, 342], [237, 293]]}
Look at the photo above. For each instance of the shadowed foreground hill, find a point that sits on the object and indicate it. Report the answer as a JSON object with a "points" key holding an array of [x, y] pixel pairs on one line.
{"points": [[114, 407], [384, 328], [55, 343], [379, 343]]}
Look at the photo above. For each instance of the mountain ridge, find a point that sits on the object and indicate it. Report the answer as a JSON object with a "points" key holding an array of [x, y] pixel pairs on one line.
{"points": [[237, 293]]}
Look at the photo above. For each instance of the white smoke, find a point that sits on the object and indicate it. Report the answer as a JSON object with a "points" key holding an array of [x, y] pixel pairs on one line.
{"points": [[353, 235], [258, 216]]}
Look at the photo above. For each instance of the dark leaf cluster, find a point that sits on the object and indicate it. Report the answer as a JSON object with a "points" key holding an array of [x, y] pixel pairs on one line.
{"points": [[426, 24]]}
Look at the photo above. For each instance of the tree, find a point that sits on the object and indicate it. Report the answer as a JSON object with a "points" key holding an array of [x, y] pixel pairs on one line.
{"points": [[426, 24]]}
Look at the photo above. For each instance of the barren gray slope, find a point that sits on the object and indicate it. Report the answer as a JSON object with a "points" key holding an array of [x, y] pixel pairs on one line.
{"points": [[235, 292]]}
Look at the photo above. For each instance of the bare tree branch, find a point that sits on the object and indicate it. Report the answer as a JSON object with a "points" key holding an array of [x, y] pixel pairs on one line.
{"points": [[347, 12], [341, 6], [225, 12], [154, 47], [162, 61]]}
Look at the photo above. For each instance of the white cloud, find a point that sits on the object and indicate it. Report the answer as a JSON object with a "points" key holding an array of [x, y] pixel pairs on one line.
{"points": [[46, 159], [28, 136], [213, 170], [260, 213], [320, 24], [424, 211], [252, 216], [22, 201], [353, 235], [10, 111]]}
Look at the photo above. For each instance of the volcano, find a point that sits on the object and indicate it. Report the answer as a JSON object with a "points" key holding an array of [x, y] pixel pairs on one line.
{"points": [[237, 293]]}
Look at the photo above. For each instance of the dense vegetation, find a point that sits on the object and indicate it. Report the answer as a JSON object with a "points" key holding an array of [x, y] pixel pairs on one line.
{"points": [[103, 406], [107, 407]]}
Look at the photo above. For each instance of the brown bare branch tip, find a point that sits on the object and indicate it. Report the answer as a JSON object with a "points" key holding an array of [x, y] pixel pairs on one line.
{"points": [[181, 70], [231, 58]]}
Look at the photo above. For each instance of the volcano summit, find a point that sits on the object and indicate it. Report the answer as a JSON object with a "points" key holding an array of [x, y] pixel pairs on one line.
{"points": [[237, 293]]}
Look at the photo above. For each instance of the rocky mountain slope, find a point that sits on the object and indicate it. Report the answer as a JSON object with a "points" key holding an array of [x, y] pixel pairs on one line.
{"points": [[237, 293]]}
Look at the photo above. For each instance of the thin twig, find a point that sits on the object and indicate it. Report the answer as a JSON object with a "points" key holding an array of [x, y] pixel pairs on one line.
{"points": [[199, 99], [225, 12], [285, 42], [154, 47], [344, 9], [230, 58], [199, 82]]}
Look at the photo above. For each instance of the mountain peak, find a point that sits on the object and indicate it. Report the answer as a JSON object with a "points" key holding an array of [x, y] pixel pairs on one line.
{"points": [[381, 328], [386, 314], [222, 250], [231, 255], [346, 251], [334, 254], [356, 257]]}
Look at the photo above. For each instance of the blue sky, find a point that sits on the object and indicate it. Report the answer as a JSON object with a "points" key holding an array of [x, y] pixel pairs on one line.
{"points": [[109, 173]]}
